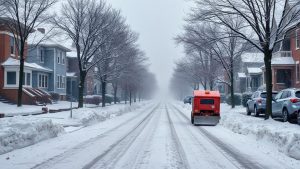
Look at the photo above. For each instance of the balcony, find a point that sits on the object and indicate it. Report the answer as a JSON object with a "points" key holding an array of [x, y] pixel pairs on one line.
{"points": [[282, 54]]}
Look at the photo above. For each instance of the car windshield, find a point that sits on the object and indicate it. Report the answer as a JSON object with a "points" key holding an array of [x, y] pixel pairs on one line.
{"points": [[264, 95]]}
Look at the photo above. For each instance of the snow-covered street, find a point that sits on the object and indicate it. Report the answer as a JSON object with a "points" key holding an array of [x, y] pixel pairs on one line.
{"points": [[158, 135]]}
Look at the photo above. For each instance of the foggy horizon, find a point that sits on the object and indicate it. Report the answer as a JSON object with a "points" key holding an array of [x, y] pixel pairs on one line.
{"points": [[157, 23]]}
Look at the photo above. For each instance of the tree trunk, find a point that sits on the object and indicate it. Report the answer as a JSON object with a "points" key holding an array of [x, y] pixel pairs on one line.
{"points": [[268, 77], [232, 89], [115, 93], [134, 97], [21, 77], [130, 97], [125, 95], [81, 88], [103, 92], [139, 96]]}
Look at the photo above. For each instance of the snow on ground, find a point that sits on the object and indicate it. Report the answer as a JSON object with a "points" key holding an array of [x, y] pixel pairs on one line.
{"points": [[284, 136], [13, 110], [21, 131], [93, 137], [88, 116]]}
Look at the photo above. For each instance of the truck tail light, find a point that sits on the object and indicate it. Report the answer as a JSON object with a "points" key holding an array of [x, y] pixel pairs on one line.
{"points": [[295, 100]]}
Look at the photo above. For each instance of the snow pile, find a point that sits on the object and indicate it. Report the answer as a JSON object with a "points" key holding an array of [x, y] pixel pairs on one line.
{"points": [[89, 116], [285, 136], [19, 132]]}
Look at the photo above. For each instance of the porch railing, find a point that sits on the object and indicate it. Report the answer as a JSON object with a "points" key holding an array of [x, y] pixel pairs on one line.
{"points": [[282, 54]]}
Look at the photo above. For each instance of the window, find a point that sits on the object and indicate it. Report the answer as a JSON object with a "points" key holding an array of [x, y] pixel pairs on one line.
{"points": [[297, 39], [283, 76], [207, 101], [58, 59], [26, 79], [297, 94], [278, 96], [63, 58], [61, 82], [11, 78], [58, 82], [42, 59], [43, 81], [285, 94], [264, 95], [12, 45]]}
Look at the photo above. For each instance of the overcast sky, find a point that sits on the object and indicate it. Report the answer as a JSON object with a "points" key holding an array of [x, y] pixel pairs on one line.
{"points": [[157, 22]]}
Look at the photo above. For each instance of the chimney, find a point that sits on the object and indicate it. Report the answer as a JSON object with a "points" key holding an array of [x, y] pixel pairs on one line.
{"points": [[42, 30]]}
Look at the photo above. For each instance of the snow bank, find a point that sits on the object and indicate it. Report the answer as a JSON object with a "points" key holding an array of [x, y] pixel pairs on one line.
{"points": [[19, 132], [285, 136], [89, 116]]}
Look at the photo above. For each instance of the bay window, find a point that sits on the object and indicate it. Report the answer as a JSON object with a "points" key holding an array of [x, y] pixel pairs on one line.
{"points": [[11, 78]]}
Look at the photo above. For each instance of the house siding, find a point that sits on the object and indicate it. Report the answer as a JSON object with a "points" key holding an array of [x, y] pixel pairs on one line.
{"points": [[50, 61]]}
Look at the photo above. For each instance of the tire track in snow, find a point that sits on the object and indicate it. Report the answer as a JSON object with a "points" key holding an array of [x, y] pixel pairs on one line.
{"points": [[110, 157], [61, 157], [180, 150], [232, 154]]}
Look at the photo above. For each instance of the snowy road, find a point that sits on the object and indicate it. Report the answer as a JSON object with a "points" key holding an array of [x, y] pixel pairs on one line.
{"points": [[159, 136]]}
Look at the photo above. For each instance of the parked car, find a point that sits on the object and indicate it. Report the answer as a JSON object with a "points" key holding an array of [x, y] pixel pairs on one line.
{"points": [[187, 99], [286, 104], [257, 103]]}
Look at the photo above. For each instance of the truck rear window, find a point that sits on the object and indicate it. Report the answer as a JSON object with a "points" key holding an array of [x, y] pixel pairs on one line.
{"points": [[207, 101]]}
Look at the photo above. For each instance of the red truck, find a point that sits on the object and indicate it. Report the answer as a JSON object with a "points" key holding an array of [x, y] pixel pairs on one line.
{"points": [[205, 107]]}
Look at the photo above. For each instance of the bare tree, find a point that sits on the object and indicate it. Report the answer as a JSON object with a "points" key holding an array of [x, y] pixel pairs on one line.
{"points": [[112, 53], [85, 22], [199, 55], [264, 24], [22, 17]]}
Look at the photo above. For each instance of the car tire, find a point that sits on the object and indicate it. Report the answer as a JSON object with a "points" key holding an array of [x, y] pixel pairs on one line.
{"points": [[285, 115], [256, 113], [248, 111]]}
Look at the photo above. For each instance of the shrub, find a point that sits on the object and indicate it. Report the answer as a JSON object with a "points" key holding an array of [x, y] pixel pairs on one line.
{"points": [[55, 96], [109, 99], [245, 97], [237, 99], [92, 99]]}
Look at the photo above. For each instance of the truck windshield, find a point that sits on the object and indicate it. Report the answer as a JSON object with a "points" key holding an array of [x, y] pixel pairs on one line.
{"points": [[207, 101]]}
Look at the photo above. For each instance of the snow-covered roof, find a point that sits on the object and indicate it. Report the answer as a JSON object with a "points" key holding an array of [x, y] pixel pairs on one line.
{"points": [[34, 66], [49, 39], [242, 75], [283, 61], [71, 74], [72, 54], [254, 70], [257, 57]]}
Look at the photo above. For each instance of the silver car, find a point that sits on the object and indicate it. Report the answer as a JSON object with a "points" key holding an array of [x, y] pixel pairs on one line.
{"points": [[286, 104], [257, 103]]}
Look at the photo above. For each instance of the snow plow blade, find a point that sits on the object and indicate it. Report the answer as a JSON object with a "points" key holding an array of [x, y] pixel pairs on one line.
{"points": [[206, 120]]}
